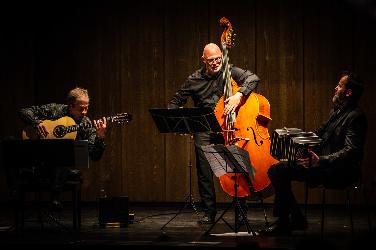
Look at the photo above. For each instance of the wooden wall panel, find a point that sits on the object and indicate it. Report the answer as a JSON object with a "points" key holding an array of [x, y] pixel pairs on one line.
{"points": [[99, 57], [142, 77], [326, 52], [16, 77], [184, 40], [134, 57], [364, 54], [280, 61]]}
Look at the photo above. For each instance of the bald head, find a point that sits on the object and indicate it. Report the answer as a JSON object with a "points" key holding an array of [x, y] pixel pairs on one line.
{"points": [[211, 49], [212, 58]]}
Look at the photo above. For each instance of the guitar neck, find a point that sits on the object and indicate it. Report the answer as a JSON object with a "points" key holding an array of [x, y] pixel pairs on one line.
{"points": [[76, 127], [110, 118]]}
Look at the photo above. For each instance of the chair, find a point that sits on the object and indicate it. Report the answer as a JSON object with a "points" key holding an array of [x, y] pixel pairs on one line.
{"points": [[38, 186], [31, 166], [357, 186], [259, 197]]}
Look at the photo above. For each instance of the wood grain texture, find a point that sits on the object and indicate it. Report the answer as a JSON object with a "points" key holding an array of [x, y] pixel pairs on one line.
{"points": [[184, 40], [134, 57], [326, 28]]}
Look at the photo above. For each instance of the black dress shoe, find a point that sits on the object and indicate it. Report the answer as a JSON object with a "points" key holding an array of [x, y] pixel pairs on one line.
{"points": [[206, 219], [276, 229]]}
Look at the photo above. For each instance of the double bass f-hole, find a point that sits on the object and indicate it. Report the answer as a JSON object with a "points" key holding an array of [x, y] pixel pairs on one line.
{"points": [[254, 137]]}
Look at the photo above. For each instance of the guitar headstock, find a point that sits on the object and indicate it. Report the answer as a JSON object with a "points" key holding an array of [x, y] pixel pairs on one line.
{"points": [[121, 118], [228, 34]]}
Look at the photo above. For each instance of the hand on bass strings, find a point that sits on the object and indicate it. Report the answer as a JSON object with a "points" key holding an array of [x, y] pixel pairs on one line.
{"points": [[100, 126], [232, 103]]}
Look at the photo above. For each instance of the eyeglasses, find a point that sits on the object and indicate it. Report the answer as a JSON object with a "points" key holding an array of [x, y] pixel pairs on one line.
{"points": [[214, 60]]}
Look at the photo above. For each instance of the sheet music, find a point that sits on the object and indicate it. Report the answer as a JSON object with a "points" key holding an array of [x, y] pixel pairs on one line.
{"points": [[216, 161], [227, 159], [242, 156]]}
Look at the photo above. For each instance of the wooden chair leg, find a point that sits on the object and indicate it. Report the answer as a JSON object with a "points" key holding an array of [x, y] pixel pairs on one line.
{"points": [[79, 208], [323, 212], [349, 207], [365, 197], [305, 199], [263, 208], [76, 206]]}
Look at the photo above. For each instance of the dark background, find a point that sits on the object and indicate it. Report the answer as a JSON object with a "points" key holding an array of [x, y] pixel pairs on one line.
{"points": [[132, 57]]}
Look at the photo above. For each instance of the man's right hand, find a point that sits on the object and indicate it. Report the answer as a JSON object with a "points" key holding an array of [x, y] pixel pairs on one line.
{"points": [[41, 130], [312, 161]]}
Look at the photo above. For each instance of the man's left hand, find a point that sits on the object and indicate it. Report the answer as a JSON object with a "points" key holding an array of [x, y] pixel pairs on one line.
{"points": [[232, 103], [100, 126]]}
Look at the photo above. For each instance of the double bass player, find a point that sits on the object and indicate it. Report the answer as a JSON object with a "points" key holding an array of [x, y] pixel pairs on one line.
{"points": [[206, 86]]}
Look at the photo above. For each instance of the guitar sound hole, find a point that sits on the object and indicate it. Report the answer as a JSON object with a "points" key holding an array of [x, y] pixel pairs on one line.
{"points": [[59, 131]]}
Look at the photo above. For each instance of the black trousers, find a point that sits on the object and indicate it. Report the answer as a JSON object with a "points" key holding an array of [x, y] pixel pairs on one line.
{"points": [[205, 174], [282, 174]]}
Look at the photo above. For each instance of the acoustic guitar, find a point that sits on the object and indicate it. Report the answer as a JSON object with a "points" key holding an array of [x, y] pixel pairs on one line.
{"points": [[66, 128]]}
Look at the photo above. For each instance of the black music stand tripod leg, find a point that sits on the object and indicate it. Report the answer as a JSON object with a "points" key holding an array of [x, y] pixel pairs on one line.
{"points": [[185, 121], [244, 217], [220, 167], [189, 197], [219, 218], [236, 205], [176, 214]]}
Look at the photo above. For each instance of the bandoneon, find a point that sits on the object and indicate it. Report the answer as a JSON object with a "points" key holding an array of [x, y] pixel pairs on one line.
{"points": [[290, 144]]}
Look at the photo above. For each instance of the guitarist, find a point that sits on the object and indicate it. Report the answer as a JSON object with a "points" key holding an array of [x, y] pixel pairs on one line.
{"points": [[77, 107]]}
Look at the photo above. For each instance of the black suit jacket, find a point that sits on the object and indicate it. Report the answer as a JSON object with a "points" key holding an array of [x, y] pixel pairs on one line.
{"points": [[343, 137]]}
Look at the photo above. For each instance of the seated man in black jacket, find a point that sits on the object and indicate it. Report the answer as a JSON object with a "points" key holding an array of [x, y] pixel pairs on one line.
{"points": [[76, 108], [337, 163]]}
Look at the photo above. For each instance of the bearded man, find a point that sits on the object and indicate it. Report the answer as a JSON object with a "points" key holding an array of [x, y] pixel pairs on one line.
{"points": [[336, 164]]}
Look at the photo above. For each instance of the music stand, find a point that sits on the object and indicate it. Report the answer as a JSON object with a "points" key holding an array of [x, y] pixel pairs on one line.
{"points": [[230, 159], [185, 121]]}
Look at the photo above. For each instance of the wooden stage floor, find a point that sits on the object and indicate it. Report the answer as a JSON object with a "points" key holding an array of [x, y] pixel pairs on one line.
{"points": [[144, 232]]}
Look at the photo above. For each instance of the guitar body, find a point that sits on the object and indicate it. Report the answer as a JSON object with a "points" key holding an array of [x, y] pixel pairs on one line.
{"points": [[56, 129]]}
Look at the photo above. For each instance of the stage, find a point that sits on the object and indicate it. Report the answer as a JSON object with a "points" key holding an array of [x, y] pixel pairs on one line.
{"points": [[144, 230]]}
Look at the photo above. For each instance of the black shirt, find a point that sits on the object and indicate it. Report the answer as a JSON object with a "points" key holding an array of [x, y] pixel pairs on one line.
{"points": [[207, 90]]}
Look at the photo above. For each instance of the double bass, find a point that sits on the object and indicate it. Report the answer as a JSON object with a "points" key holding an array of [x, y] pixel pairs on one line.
{"points": [[245, 128]]}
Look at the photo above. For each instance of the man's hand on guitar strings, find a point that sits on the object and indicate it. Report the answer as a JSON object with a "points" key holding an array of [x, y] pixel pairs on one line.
{"points": [[100, 126]]}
